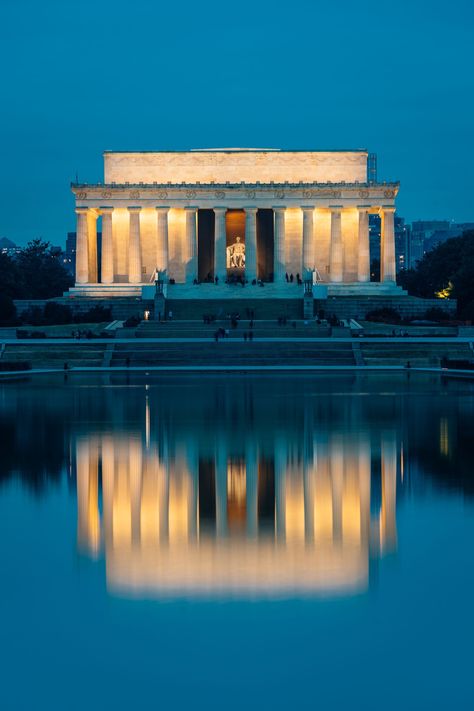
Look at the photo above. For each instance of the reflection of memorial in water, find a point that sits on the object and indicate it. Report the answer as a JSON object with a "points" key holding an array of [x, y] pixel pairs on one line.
{"points": [[256, 518]]}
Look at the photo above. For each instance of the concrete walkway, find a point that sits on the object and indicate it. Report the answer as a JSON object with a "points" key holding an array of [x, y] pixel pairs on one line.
{"points": [[241, 369], [326, 339]]}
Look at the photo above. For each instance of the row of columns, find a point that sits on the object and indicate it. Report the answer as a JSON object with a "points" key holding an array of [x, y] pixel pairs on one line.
{"points": [[86, 247], [129, 475]]}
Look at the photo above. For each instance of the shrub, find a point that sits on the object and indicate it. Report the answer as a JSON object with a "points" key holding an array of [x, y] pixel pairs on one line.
{"points": [[5, 365], [32, 316], [57, 314], [96, 314], [385, 315], [132, 321], [436, 314], [7, 310]]}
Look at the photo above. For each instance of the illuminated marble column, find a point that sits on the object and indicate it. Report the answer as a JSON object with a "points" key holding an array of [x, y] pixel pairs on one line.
{"points": [[279, 262], [134, 249], [221, 489], [82, 246], [363, 246], [308, 238], [162, 238], [250, 243], [92, 216], [191, 244], [387, 245], [336, 253], [107, 258], [251, 488], [220, 244]]}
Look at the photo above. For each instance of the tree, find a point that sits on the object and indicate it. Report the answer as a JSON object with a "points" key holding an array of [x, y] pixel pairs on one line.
{"points": [[447, 271], [7, 310], [41, 275], [9, 280]]}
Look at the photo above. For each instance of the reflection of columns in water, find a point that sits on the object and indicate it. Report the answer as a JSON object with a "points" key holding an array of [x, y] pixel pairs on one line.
{"points": [[108, 485], [389, 490], [309, 468], [148, 500], [323, 493], [88, 525], [251, 487], [337, 481], [280, 487], [135, 475], [364, 466], [221, 488], [192, 458]]}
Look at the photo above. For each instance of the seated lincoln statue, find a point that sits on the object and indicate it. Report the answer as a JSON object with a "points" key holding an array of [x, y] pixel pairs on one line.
{"points": [[236, 255]]}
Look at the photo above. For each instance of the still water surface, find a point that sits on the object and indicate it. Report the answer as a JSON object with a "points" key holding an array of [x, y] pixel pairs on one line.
{"points": [[242, 542]]}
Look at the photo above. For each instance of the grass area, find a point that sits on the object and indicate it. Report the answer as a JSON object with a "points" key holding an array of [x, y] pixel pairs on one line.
{"points": [[65, 330]]}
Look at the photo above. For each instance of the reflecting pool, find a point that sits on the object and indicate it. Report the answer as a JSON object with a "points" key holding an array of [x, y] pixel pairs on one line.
{"points": [[236, 541]]}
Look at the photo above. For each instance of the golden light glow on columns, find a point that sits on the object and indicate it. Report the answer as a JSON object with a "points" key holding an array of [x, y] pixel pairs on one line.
{"points": [[120, 234], [293, 240], [191, 244], [350, 238], [336, 247], [220, 243], [177, 243], [387, 245], [92, 216], [107, 257], [308, 238], [151, 515], [134, 247], [363, 246], [82, 246], [162, 256], [279, 248]]}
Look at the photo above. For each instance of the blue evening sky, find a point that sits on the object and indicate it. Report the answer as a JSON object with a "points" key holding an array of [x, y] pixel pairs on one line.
{"points": [[80, 77]]}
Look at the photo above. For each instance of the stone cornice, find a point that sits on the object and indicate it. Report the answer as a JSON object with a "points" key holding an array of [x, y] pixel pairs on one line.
{"points": [[247, 191]]}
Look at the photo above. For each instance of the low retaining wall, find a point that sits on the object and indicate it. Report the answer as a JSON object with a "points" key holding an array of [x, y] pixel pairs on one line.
{"points": [[345, 307]]}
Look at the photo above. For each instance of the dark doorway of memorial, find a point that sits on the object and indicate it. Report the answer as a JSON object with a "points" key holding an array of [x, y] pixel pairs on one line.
{"points": [[265, 244], [206, 222]]}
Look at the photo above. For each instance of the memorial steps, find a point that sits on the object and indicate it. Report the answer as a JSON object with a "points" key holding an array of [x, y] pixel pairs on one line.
{"points": [[233, 353], [418, 354], [196, 329]]}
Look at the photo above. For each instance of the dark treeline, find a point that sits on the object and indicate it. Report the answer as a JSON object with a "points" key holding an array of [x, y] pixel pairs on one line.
{"points": [[448, 271], [34, 273]]}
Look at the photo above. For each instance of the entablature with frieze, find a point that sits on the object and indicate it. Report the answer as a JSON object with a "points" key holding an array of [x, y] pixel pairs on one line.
{"points": [[230, 194]]}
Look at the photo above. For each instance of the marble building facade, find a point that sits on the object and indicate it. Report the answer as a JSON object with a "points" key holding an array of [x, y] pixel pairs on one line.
{"points": [[179, 212]]}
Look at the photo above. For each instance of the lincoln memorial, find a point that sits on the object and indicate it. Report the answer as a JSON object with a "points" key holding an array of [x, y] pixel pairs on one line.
{"points": [[214, 217]]}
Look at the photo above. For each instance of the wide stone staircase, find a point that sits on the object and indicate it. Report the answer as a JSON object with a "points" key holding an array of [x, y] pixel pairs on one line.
{"points": [[232, 353], [75, 354], [198, 329], [420, 354]]}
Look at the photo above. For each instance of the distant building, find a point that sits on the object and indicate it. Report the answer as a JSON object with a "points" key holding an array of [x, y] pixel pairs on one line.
{"points": [[70, 253], [427, 234], [402, 243], [8, 247]]}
